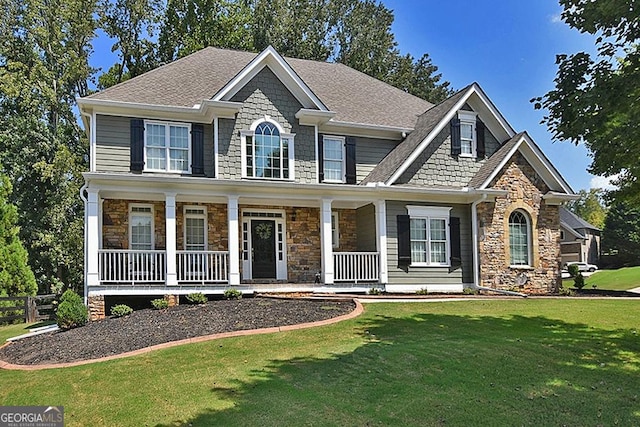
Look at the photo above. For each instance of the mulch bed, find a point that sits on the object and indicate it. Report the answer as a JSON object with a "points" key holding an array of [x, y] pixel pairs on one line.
{"points": [[145, 328]]}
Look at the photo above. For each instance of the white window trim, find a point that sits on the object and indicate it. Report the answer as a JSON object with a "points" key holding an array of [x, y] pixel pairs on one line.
{"points": [[153, 225], [469, 118], [428, 213], [527, 218], [343, 174], [290, 137], [335, 233], [186, 215], [167, 147], [281, 266]]}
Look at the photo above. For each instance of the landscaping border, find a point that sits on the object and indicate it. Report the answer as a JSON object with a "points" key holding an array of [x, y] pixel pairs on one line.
{"points": [[355, 313]]}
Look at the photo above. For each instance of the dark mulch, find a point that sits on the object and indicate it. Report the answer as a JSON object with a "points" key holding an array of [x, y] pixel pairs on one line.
{"points": [[145, 328]]}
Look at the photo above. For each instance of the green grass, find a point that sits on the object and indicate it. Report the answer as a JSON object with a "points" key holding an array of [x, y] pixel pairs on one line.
{"points": [[510, 362], [617, 280], [17, 329]]}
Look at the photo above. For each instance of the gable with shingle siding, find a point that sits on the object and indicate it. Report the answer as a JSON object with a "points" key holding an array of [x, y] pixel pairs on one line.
{"points": [[437, 167]]}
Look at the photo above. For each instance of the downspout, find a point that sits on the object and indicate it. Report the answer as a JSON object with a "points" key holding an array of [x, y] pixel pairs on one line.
{"points": [[84, 243], [476, 254]]}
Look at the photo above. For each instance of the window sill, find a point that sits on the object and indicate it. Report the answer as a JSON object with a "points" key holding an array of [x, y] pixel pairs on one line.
{"points": [[429, 265], [332, 181], [253, 178], [467, 156], [521, 267], [166, 171]]}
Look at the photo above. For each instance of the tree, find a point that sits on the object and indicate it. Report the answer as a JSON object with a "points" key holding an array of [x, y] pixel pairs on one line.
{"points": [[595, 97], [621, 233], [44, 51], [16, 278], [589, 207], [133, 25]]}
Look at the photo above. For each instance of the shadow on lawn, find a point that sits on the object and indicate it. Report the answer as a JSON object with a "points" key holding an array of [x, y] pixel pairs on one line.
{"points": [[435, 369]]}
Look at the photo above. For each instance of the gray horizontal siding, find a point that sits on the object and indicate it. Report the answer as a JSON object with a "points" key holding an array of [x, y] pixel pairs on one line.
{"points": [[112, 143], [113, 139], [366, 228], [369, 152], [429, 275]]}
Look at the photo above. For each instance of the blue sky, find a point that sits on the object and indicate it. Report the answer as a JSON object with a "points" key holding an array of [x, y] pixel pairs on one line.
{"points": [[507, 46]]}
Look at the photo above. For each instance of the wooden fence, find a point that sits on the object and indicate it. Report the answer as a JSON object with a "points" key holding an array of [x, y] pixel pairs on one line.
{"points": [[31, 309]]}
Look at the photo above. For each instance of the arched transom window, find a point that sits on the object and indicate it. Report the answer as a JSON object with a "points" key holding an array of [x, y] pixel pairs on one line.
{"points": [[267, 152], [519, 238]]}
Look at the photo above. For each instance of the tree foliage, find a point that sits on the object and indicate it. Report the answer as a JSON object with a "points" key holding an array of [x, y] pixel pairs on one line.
{"points": [[16, 277], [44, 51], [595, 99], [621, 233], [590, 207]]}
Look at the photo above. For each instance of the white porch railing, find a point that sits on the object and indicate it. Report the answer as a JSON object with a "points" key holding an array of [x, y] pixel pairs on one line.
{"points": [[203, 266], [131, 266], [356, 266]]}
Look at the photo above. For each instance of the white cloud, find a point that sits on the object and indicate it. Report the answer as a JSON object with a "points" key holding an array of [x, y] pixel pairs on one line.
{"points": [[603, 182], [556, 19]]}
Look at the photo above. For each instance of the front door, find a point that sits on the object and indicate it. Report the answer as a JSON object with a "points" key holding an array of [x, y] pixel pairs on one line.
{"points": [[263, 248]]}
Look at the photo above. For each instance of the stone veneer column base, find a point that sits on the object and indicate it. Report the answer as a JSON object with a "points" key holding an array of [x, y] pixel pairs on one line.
{"points": [[96, 307], [173, 300]]}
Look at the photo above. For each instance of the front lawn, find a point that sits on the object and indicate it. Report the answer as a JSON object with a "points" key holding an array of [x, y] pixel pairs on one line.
{"points": [[507, 362], [621, 279]]}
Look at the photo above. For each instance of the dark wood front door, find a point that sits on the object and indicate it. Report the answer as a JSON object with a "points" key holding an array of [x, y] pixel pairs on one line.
{"points": [[263, 244]]}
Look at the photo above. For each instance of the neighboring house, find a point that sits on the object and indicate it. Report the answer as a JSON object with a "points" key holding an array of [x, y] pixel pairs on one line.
{"points": [[263, 173], [579, 240]]}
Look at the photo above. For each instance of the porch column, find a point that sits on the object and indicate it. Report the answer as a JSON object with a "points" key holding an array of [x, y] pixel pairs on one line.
{"points": [[93, 237], [326, 242], [381, 241], [234, 244], [170, 219]]}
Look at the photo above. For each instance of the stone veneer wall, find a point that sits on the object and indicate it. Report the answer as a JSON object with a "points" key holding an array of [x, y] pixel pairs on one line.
{"points": [[217, 227], [525, 189], [115, 223]]}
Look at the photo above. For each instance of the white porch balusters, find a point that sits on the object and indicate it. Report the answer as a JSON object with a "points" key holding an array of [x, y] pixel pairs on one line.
{"points": [[381, 241], [170, 218], [234, 241], [93, 237], [326, 242]]}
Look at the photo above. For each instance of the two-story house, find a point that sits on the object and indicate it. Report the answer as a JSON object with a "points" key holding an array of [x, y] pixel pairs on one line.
{"points": [[263, 173]]}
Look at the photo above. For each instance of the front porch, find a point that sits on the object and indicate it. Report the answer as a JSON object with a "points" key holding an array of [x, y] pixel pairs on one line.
{"points": [[173, 243]]}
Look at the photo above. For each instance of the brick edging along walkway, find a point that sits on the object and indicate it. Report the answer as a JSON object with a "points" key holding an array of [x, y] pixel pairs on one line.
{"points": [[355, 313]]}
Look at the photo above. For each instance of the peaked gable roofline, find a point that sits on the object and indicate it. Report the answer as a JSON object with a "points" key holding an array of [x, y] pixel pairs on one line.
{"points": [[271, 58], [479, 102], [523, 143]]}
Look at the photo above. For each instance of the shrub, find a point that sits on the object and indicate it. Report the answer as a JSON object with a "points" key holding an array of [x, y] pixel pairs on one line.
{"points": [[232, 294], [159, 303], [578, 281], [120, 310], [71, 312], [197, 298], [470, 291], [573, 270], [375, 291], [422, 291], [566, 292]]}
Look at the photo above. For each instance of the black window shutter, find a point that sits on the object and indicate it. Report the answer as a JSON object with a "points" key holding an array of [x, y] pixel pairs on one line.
{"points": [[350, 145], [320, 157], [404, 240], [197, 149], [454, 235], [480, 139], [456, 147], [137, 145]]}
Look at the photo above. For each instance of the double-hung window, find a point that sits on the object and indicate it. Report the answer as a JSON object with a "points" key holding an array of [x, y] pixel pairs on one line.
{"points": [[467, 133], [167, 147], [429, 229], [519, 239], [267, 152], [333, 156], [195, 228], [141, 227]]}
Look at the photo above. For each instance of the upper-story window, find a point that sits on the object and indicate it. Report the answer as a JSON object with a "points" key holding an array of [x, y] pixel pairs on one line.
{"points": [[267, 152], [333, 156], [467, 133], [167, 147]]}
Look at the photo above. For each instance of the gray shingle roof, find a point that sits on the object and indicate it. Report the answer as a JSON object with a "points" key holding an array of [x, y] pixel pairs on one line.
{"points": [[354, 96], [424, 125], [492, 162], [574, 221]]}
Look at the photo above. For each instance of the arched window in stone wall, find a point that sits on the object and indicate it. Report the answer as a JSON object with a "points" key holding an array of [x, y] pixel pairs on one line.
{"points": [[519, 238]]}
